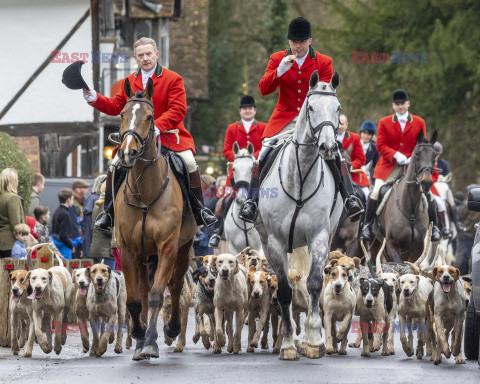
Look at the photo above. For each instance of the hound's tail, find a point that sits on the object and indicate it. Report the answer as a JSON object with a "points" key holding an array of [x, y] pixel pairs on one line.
{"points": [[368, 260], [378, 263], [59, 259], [426, 246], [299, 260]]}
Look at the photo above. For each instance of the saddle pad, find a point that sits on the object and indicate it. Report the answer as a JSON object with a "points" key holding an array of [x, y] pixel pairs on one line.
{"points": [[180, 172], [384, 200]]}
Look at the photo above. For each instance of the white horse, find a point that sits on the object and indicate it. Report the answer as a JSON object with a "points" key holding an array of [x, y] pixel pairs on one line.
{"points": [[238, 233], [301, 173]]}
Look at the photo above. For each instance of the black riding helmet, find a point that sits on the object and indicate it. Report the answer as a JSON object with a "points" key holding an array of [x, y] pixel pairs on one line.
{"points": [[72, 76]]}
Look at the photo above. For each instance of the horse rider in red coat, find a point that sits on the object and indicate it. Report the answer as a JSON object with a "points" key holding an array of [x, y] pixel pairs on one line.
{"points": [[396, 140], [289, 71], [247, 130], [170, 107], [351, 143]]}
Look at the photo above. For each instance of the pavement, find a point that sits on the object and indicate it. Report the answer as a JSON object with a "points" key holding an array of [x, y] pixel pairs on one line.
{"points": [[197, 365]]}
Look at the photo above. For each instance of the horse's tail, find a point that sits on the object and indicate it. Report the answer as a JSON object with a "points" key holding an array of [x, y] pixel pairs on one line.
{"points": [[299, 260], [426, 246], [368, 260]]}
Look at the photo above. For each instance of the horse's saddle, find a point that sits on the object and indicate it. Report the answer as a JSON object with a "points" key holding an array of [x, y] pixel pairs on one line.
{"points": [[383, 192], [270, 157]]}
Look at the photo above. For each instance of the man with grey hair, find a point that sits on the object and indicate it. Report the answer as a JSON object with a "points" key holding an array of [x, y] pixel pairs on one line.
{"points": [[170, 107]]}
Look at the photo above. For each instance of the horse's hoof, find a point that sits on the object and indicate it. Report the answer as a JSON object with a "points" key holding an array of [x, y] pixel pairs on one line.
{"points": [[288, 354], [172, 330], [149, 351], [312, 352], [137, 356]]}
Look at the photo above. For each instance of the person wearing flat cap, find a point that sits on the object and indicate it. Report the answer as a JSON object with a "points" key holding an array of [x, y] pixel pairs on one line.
{"points": [[243, 132], [396, 140], [289, 71]]}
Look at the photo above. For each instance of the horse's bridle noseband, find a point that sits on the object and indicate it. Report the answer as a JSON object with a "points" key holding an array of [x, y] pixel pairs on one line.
{"points": [[424, 169]]}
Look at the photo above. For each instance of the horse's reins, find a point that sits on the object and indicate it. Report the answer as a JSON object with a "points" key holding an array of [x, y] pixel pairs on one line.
{"points": [[300, 202], [139, 139]]}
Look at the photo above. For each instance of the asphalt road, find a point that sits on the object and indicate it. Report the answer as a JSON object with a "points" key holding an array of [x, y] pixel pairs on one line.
{"points": [[197, 365]]}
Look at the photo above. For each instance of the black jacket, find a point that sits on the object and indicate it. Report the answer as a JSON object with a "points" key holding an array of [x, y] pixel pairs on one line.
{"points": [[61, 226]]}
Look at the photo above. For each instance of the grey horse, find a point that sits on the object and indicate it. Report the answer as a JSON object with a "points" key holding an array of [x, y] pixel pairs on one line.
{"points": [[301, 166], [238, 233]]}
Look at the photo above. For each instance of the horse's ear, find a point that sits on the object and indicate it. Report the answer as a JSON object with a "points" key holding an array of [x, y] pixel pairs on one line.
{"points": [[235, 148], [149, 89], [128, 89], [420, 137], [335, 81], [314, 79], [434, 137], [250, 148]]}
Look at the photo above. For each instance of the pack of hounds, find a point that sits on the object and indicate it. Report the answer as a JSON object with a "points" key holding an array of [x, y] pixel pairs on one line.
{"points": [[430, 303]]}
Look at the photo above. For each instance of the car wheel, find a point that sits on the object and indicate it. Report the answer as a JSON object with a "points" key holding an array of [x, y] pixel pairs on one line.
{"points": [[472, 333]]}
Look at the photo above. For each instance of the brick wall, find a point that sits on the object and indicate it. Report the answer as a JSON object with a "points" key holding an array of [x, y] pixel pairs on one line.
{"points": [[30, 148], [189, 47]]}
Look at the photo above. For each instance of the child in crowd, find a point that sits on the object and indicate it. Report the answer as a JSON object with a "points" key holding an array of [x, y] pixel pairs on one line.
{"points": [[42, 214], [62, 228], [21, 233]]}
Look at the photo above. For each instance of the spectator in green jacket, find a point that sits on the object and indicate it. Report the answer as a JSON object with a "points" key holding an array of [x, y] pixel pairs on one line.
{"points": [[11, 210]]}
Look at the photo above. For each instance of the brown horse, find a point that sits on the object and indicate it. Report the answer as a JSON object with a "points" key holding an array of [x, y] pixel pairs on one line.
{"points": [[405, 215], [155, 248]]}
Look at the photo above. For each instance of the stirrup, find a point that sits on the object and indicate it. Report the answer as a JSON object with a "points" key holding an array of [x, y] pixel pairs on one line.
{"points": [[104, 222], [206, 217], [354, 208], [214, 241], [366, 233]]}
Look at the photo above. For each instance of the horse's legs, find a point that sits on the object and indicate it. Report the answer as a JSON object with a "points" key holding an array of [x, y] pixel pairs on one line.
{"points": [[277, 257], [313, 345], [135, 282], [392, 251], [167, 255]]}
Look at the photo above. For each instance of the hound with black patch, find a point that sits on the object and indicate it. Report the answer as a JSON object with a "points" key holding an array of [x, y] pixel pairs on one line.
{"points": [[203, 304], [374, 304]]}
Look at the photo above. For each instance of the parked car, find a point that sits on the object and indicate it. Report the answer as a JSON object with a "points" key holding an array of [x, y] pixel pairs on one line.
{"points": [[472, 322]]}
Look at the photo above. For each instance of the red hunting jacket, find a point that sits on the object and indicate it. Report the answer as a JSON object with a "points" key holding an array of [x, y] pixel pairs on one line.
{"points": [[169, 101], [293, 86], [236, 133], [357, 157], [391, 139]]}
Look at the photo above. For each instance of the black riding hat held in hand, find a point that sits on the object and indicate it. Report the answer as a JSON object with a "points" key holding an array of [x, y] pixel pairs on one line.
{"points": [[72, 76], [299, 29]]}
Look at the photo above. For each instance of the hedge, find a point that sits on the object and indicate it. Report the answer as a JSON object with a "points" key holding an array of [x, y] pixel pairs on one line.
{"points": [[11, 157]]}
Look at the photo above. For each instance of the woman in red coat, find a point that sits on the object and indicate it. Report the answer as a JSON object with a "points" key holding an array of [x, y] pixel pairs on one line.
{"points": [[170, 107]]}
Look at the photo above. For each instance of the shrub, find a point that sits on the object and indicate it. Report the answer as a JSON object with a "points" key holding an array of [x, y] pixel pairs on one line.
{"points": [[12, 157]]}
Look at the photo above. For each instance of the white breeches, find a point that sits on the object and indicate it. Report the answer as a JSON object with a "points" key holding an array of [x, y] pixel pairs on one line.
{"points": [[282, 136], [187, 156], [379, 183], [440, 204]]}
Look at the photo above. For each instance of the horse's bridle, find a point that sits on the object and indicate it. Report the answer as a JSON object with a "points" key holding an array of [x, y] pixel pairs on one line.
{"points": [[140, 141], [424, 169], [319, 127]]}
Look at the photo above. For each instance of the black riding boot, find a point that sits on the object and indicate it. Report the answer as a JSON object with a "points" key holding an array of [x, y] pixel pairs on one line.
{"points": [[443, 227], [353, 205], [432, 217], [203, 215], [369, 216], [249, 212], [218, 231], [104, 220]]}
